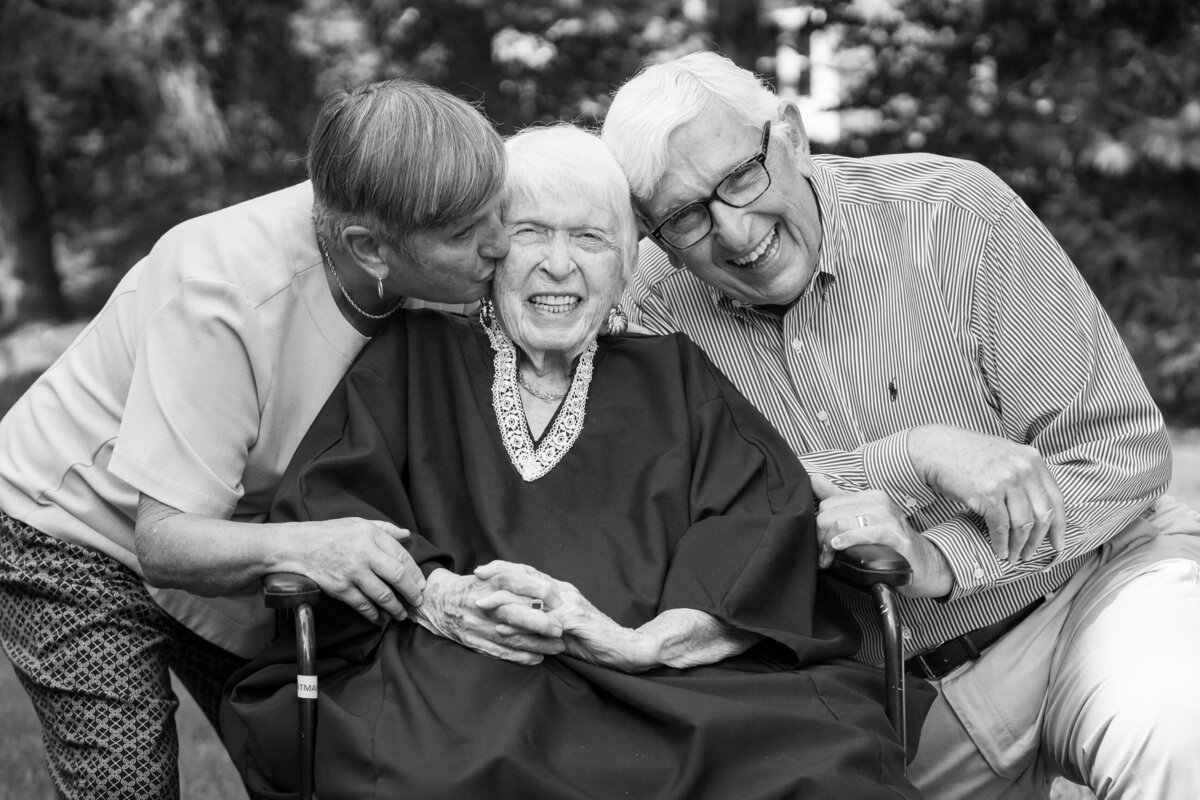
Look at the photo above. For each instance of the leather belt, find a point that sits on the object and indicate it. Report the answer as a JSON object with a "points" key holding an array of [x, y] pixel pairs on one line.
{"points": [[949, 656]]}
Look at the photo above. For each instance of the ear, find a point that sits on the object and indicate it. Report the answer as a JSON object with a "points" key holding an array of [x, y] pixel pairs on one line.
{"points": [[368, 251], [789, 114]]}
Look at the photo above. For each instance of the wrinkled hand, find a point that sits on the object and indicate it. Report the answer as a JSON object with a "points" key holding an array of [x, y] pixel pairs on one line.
{"points": [[1006, 483], [479, 614], [358, 561], [688, 637], [587, 633], [839, 527]]}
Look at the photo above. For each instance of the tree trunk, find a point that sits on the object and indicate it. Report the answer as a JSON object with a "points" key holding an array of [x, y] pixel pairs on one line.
{"points": [[32, 287]]}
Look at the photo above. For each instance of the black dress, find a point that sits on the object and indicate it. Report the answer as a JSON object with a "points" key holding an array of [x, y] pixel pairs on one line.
{"points": [[676, 494]]}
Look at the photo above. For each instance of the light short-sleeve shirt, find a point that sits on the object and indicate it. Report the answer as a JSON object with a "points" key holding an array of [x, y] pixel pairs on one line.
{"points": [[193, 385]]}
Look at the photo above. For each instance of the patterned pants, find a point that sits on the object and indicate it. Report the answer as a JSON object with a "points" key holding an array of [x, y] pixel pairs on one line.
{"points": [[92, 649]]}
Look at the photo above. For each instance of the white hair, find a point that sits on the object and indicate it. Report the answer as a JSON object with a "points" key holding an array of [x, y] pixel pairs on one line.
{"points": [[651, 105], [559, 162]]}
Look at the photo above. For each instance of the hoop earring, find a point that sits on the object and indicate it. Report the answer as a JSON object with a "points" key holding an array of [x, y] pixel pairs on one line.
{"points": [[617, 322]]}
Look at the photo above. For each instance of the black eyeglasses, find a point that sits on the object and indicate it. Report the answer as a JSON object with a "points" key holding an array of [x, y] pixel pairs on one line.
{"points": [[741, 187]]}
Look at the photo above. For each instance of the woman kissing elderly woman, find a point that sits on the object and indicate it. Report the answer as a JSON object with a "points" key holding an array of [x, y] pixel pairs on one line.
{"points": [[622, 594]]}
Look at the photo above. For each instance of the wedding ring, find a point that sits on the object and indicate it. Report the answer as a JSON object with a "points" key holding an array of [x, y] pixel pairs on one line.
{"points": [[536, 604], [862, 521]]}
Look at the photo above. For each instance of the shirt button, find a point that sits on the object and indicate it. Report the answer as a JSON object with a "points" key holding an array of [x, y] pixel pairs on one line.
{"points": [[911, 502], [978, 573], [823, 416], [797, 345], [905, 632]]}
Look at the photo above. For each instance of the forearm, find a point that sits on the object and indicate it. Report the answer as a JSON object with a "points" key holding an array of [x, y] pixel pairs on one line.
{"points": [[205, 556]]}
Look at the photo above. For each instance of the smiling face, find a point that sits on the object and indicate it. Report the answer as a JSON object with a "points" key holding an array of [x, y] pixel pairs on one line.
{"points": [[766, 252], [563, 273]]}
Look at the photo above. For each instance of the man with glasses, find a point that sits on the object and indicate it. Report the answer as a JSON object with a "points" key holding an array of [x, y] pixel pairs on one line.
{"points": [[943, 371]]}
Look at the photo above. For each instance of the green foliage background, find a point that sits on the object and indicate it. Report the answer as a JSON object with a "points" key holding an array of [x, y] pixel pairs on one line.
{"points": [[150, 111]]}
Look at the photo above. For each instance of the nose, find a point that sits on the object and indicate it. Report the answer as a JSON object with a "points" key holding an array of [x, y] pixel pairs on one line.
{"points": [[494, 241], [558, 262], [730, 226]]}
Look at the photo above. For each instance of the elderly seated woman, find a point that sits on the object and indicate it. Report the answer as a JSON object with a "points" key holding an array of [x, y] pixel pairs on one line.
{"points": [[622, 595]]}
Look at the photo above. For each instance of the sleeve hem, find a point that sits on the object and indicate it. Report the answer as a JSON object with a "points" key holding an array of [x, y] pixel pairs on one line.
{"points": [[887, 465], [171, 492], [972, 563]]}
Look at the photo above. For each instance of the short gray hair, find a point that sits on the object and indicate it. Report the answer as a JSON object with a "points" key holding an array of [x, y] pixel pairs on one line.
{"points": [[561, 161], [651, 105], [399, 156]]}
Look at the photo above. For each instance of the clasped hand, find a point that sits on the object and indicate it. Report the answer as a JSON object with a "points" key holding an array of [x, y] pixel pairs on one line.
{"points": [[492, 611]]}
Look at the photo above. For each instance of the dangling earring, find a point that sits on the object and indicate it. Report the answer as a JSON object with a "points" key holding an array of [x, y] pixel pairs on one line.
{"points": [[381, 288], [617, 321], [487, 314]]}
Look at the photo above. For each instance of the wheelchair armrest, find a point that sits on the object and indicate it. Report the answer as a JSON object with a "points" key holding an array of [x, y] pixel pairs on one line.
{"points": [[289, 590], [867, 564]]}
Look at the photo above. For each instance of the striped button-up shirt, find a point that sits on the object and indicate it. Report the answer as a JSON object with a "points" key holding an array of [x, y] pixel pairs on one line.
{"points": [[938, 298]]}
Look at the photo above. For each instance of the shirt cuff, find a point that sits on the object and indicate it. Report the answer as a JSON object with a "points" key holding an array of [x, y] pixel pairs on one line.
{"points": [[972, 562], [888, 467]]}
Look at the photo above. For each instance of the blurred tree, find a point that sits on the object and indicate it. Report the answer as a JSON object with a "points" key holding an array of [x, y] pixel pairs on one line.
{"points": [[25, 230], [143, 112], [1091, 111], [30, 283], [526, 61], [744, 33]]}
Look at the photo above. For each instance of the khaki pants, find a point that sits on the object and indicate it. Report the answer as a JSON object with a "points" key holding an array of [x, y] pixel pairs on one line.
{"points": [[1098, 685]]}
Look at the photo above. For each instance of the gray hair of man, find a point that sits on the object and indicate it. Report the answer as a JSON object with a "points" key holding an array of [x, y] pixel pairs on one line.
{"points": [[648, 108], [398, 156], [561, 163]]}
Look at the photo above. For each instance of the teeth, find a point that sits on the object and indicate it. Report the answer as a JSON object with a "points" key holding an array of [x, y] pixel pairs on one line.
{"points": [[758, 252], [554, 303]]}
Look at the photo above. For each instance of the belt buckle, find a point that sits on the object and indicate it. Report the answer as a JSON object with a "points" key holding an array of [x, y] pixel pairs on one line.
{"points": [[927, 672]]}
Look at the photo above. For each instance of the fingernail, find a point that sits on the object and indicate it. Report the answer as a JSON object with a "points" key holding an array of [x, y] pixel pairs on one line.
{"points": [[837, 541]]}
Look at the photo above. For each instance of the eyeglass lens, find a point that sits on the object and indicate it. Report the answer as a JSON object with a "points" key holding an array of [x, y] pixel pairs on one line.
{"points": [[738, 189]]}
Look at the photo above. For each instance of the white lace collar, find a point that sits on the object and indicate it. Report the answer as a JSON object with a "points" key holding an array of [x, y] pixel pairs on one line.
{"points": [[533, 462]]}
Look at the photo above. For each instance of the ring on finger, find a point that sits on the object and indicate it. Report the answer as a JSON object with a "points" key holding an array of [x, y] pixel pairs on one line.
{"points": [[537, 604], [862, 520]]}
